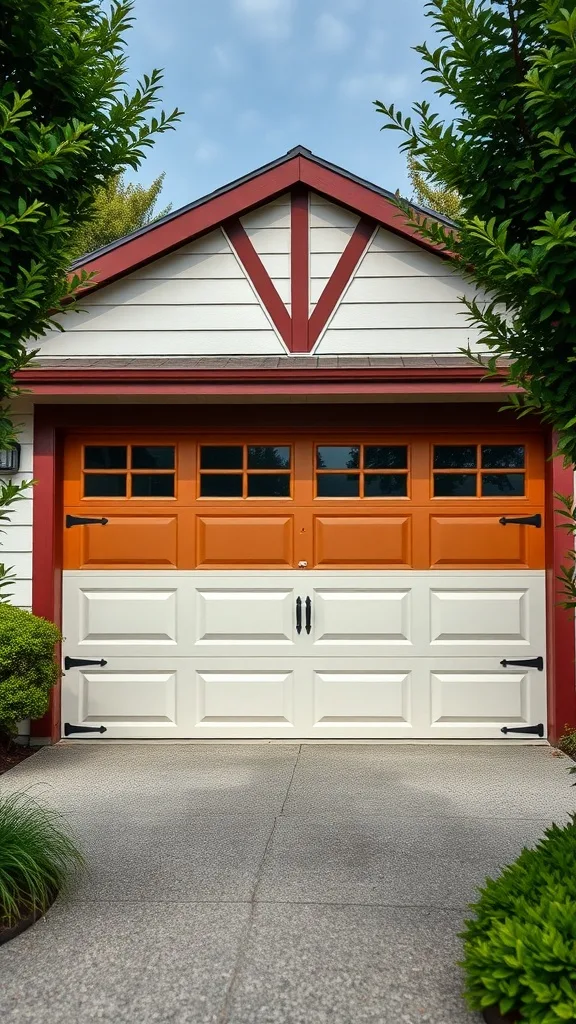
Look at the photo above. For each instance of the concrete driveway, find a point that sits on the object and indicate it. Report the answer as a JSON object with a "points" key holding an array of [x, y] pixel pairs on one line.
{"points": [[240, 883]]}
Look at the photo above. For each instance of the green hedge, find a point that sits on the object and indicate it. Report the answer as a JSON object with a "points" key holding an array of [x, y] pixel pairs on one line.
{"points": [[27, 667], [520, 948]]}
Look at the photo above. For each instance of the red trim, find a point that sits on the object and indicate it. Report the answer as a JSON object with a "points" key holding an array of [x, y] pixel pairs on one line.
{"points": [[339, 188], [260, 278], [285, 381], [559, 622], [46, 541], [164, 237], [343, 271], [300, 269]]}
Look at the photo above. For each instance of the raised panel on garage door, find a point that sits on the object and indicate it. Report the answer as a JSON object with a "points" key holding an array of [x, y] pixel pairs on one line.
{"points": [[426, 613], [371, 654]]}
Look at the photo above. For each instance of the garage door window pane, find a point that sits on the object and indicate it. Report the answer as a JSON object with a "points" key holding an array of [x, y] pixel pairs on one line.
{"points": [[338, 485], [338, 457], [502, 456], [153, 456], [495, 485], [221, 456], [386, 456], [454, 485], [105, 485], [221, 485], [268, 457], [105, 456], [153, 485], [454, 456], [385, 485], [268, 485]]}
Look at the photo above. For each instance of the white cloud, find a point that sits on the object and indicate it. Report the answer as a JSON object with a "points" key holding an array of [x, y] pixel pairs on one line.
{"points": [[206, 151], [375, 85], [270, 19], [225, 59], [332, 34], [375, 48]]}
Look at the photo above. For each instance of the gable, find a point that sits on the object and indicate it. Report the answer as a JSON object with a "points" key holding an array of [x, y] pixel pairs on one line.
{"points": [[300, 273]]}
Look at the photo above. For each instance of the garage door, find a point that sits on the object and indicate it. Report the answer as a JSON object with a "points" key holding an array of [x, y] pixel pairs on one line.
{"points": [[303, 587]]}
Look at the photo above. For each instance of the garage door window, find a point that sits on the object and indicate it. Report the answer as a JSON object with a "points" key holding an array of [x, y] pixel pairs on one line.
{"points": [[379, 471], [485, 470], [129, 471], [245, 471]]}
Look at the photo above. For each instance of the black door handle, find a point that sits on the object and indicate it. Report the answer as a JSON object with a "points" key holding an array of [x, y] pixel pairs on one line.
{"points": [[308, 614], [298, 614]]}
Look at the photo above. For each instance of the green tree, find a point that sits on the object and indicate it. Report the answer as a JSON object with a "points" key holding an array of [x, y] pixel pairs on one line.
{"points": [[508, 68], [67, 127], [118, 208], [441, 200]]}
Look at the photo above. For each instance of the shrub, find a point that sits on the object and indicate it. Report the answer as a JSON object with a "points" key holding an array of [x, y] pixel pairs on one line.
{"points": [[27, 667], [37, 855], [520, 948]]}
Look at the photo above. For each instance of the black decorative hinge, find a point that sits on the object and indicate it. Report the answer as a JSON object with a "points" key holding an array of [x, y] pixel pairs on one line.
{"points": [[69, 729], [529, 663], [530, 730], [74, 662], [523, 520], [83, 521]]}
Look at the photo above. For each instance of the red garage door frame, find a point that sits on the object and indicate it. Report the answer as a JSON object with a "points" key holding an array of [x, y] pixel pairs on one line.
{"points": [[50, 425]]}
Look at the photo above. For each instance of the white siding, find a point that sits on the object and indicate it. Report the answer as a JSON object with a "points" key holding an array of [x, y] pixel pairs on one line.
{"points": [[268, 228], [16, 540], [331, 228], [400, 301], [197, 301]]}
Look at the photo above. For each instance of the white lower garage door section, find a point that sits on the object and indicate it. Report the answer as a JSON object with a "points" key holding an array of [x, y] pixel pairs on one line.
{"points": [[304, 654]]}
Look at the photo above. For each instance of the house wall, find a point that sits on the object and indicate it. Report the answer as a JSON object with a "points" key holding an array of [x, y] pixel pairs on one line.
{"points": [[16, 539], [196, 301], [400, 300]]}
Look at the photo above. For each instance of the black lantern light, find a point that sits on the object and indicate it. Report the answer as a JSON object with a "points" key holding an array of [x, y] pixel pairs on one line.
{"points": [[9, 460]]}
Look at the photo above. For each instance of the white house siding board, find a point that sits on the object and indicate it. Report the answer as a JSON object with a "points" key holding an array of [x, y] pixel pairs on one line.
{"points": [[331, 228], [400, 301], [164, 343], [16, 540], [208, 307], [269, 230], [402, 342]]}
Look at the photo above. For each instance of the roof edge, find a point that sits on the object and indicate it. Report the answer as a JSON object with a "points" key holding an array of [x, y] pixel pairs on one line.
{"points": [[296, 151]]}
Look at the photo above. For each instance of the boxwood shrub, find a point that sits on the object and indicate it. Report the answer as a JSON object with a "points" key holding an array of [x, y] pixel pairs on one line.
{"points": [[27, 667], [520, 946]]}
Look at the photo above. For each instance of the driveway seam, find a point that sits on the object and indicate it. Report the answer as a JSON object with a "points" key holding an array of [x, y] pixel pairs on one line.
{"points": [[224, 1016]]}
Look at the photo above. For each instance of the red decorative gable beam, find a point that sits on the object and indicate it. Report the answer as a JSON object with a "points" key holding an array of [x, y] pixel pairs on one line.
{"points": [[343, 271], [168, 235], [300, 269], [260, 278], [300, 331]]}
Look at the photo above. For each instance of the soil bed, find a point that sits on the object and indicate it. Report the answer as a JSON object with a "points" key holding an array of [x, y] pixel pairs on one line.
{"points": [[12, 754]]}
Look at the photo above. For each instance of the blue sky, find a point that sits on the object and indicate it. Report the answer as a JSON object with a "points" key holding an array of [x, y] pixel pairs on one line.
{"points": [[256, 77]]}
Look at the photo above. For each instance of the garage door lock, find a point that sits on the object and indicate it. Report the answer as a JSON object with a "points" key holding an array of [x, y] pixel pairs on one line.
{"points": [[530, 730], [69, 729]]}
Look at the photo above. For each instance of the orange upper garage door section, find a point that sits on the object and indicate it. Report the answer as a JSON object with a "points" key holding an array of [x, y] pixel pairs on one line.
{"points": [[379, 501]]}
